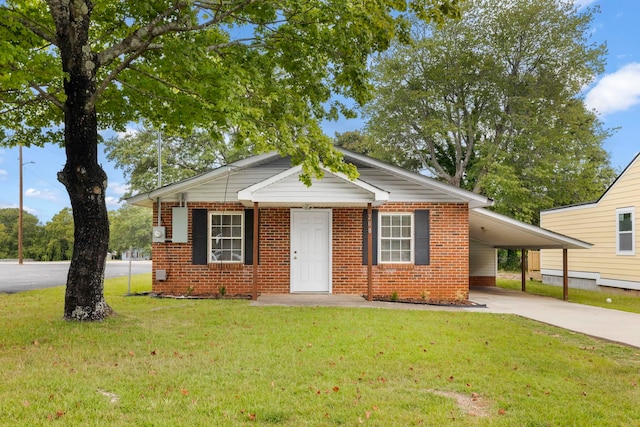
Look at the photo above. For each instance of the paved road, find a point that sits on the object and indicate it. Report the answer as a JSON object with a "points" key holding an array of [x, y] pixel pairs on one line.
{"points": [[38, 275]]}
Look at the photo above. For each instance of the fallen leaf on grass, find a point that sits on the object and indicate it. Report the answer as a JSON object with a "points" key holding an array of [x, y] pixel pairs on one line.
{"points": [[131, 353], [184, 391], [252, 417], [501, 411], [336, 388], [367, 414]]}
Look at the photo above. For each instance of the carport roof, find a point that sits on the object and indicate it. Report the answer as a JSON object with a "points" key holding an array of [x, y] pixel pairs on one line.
{"points": [[500, 231]]}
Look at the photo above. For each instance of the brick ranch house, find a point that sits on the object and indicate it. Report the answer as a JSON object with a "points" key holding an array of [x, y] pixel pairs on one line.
{"points": [[252, 227]]}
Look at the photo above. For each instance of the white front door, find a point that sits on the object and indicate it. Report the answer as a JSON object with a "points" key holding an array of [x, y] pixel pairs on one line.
{"points": [[311, 250]]}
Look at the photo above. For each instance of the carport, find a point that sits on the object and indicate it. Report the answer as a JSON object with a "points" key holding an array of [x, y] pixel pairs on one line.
{"points": [[501, 232]]}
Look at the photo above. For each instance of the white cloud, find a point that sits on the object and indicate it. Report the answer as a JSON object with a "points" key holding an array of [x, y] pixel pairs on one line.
{"points": [[112, 202], [40, 194], [117, 188], [3, 174], [128, 132], [583, 3], [615, 92], [32, 211]]}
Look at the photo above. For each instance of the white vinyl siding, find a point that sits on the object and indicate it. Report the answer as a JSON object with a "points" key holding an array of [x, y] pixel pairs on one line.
{"points": [[226, 237], [625, 236], [482, 259], [396, 238]]}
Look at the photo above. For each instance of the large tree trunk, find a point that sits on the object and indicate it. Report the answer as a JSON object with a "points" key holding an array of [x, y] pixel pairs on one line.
{"points": [[82, 176]]}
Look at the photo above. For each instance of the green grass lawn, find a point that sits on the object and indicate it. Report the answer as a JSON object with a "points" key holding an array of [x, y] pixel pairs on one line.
{"points": [[170, 362], [619, 301]]}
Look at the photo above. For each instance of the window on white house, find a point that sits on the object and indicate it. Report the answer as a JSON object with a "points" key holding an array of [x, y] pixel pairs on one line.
{"points": [[226, 236], [625, 244], [396, 237]]}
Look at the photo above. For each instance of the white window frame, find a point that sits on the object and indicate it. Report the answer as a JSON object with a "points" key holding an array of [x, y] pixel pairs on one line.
{"points": [[210, 238], [381, 215], [622, 211]]}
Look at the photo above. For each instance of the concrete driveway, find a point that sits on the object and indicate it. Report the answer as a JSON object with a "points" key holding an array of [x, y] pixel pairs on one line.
{"points": [[611, 325]]}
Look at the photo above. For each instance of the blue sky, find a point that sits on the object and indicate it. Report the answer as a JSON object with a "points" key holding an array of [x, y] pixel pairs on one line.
{"points": [[615, 95]]}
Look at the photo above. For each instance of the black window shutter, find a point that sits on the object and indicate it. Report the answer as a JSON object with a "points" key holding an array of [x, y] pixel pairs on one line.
{"points": [[248, 236], [422, 237], [199, 228], [365, 237]]}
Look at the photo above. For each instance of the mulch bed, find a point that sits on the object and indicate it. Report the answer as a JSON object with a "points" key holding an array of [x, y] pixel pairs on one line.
{"points": [[203, 296], [440, 303]]}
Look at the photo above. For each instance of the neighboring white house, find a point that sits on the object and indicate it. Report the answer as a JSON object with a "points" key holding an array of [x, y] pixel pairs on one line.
{"points": [[610, 225]]}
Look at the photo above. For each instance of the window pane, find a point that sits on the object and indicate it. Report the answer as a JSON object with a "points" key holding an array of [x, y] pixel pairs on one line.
{"points": [[226, 237], [626, 242], [395, 238], [624, 222]]}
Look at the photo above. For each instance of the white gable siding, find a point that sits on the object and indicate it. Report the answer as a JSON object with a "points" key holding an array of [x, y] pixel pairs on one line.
{"points": [[330, 189]]}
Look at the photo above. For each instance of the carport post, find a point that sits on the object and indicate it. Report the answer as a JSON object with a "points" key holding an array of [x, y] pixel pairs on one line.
{"points": [[369, 253], [565, 274], [523, 269]]}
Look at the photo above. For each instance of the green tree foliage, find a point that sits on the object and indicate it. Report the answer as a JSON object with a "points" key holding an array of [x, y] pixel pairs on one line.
{"points": [[57, 239], [266, 71], [182, 157], [130, 227], [31, 230], [491, 103]]}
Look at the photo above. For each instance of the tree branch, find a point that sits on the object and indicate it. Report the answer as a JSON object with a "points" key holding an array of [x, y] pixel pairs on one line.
{"points": [[166, 83], [34, 27], [47, 96]]}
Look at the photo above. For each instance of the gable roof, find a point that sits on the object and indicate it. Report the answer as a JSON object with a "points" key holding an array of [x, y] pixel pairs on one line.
{"points": [[604, 195], [374, 178]]}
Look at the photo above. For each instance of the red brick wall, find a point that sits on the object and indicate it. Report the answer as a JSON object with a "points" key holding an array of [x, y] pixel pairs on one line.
{"points": [[446, 278], [482, 281]]}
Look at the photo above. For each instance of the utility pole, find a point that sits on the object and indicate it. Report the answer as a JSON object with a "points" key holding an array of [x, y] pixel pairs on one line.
{"points": [[20, 258]]}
